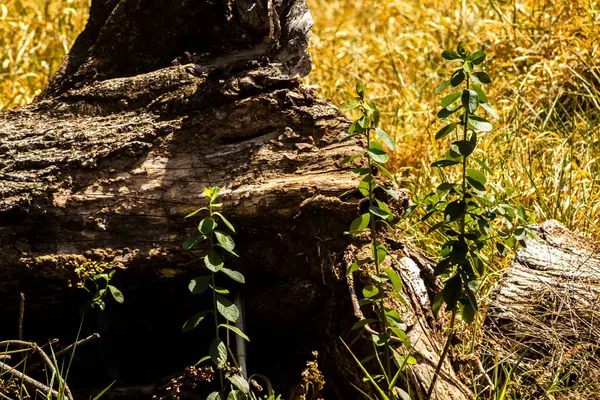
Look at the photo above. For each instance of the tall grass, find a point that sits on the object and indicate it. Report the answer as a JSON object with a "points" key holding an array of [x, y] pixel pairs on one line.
{"points": [[34, 37], [545, 57]]}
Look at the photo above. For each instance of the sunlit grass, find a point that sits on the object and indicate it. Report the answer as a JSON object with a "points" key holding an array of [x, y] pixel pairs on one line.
{"points": [[544, 58], [34, 37]]}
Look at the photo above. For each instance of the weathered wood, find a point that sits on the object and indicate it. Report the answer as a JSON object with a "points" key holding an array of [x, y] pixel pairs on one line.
{"points": [[545, 309], [158, 99]]}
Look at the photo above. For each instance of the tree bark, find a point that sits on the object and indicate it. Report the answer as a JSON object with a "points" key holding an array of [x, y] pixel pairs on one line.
{"points": [[156, 100], [542, 317]]}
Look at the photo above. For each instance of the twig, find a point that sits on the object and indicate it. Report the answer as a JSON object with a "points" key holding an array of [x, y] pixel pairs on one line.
{"points": [[21, 315], [44, 356], [40, 386], [61, 353], [53, 369]]}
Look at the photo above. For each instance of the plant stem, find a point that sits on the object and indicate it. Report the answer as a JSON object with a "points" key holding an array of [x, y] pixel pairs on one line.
{"points": [[443, 356], [462, 237], [374, 245], [464, 172], [214, 293]]}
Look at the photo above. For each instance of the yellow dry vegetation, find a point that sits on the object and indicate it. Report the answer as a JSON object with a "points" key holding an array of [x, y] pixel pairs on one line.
{"points": [[34, 37], [544, 59]]}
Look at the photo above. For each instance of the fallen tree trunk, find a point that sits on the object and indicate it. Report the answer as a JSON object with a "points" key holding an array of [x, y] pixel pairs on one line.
{"points": [[156, 100], [542, 318]]}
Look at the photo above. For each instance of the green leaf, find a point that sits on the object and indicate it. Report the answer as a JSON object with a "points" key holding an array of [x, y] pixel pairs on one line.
{"points": [[381, 252], [116, 294], [454, 210], [467, 312], [370, 291], [445, 186], [478, 57], [462, 49], [236, 330], [442, 86], [349, 159], [215, 396], [379, 212], [213, 261], [225, 240], [476, 175], [458, 77], [352, 268], [199, 285], [481, 78], [360, 223], [364, 122], [463, 147], [362, 323], [438, 300], [490, 110], [348, 137], [235, 275], [452, 291], [450, 55], [360, 90], [468, 66], [470, 101], [385, 208], [364, 185], [240, 383], [480, 93], [360, 171], [207, 225], [225, 221], [444, 163], [448, 111], [218, 352], [377, 153], [381, 278], [194, 321], [236, 395], [385, 138], [451, 98], [445, 131], [196, 212], [394, 278], [479, 124], [348, 107], [211, 193], [191, 242], [480, 187], [227, 309]]}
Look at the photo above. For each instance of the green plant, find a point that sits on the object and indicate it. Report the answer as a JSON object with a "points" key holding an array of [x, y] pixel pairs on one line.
{"points": [[377, 216], [232, 384], [468, 216], [93, 273]]}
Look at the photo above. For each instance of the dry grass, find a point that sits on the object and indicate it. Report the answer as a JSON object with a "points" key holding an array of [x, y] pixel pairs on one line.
{"points": [[545, 63], [544, 60], [34, 37]]}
